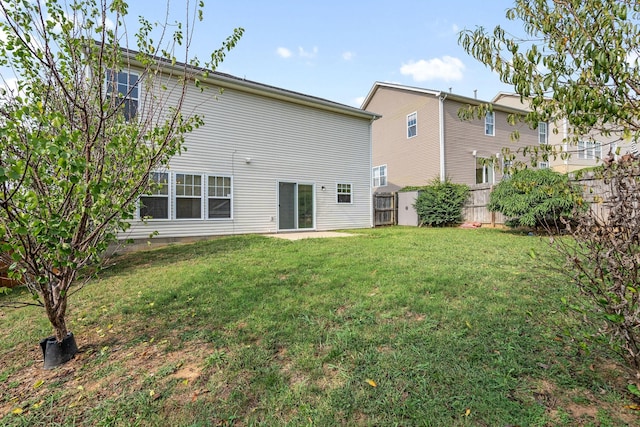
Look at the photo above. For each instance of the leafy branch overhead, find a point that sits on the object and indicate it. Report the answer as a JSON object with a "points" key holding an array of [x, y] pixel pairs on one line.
{"points": [[577, 60]]}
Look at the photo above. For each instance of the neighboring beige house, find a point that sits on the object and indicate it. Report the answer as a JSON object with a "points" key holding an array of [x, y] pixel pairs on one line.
{"points": [[420, 137], [266, 160], [583, 154]]}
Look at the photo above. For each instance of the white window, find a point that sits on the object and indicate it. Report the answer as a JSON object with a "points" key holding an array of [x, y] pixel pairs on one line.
{"points": [[484, 171], [412, 125], [155, 204], [589, 150], [543, 135], [219, 197], [543, 165], [380, 176], [125, 85], [344, 193], [489, 124], [188, 196]]}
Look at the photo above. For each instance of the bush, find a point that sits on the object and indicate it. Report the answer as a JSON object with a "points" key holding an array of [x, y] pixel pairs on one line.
{"points": [[440, 204], [603, 260], [535, 197]]}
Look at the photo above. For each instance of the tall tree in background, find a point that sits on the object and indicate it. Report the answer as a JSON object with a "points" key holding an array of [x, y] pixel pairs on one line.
{"points": [[88, 120], [579, 63]]}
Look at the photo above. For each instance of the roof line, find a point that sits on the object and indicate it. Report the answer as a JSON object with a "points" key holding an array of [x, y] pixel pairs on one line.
{"points": [[232, 82], [450, 96]]}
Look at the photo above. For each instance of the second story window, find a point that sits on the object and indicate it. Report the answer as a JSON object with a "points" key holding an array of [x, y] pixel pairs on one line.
{"points": [[543, 134], [124, 85], [589, 150], [489, 124], [412, 125], [380, 176]]}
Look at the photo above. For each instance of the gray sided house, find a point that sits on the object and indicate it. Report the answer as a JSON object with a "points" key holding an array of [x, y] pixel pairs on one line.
{"points": [[420, 137], [267, 160]]}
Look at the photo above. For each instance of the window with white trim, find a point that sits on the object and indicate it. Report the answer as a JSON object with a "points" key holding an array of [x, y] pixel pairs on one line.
{"points": [[489, 124], [380, 176], [543, 165], [484, 171], [543, 133], [219, 197], [125, 85], [155, 204], [344, 193], [188, 196], [412, 125], [589, 150]]}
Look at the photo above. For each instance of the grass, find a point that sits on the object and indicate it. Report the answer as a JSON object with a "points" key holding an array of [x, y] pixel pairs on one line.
{"points": [[395, 326]]}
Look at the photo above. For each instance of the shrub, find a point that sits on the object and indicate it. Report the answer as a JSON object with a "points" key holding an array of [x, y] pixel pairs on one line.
{"points": [[440, 203], [535, 197], [603, 260]]}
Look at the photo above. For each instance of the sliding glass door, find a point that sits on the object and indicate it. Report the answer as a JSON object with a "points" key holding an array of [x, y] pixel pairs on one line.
{"points": [[295, 206]]}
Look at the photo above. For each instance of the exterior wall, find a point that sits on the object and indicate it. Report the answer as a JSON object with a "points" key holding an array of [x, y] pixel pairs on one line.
{"points": [[284, 141], [410, 161], [416, 161], [557, 134], [464, 137]]}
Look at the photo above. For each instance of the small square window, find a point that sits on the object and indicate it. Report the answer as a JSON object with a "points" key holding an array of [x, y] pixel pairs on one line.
{"points": [[344, 193]]}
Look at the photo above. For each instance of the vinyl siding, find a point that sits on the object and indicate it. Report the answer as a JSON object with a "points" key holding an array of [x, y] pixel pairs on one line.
{"points": [[462, 137], [410, 161], [285, 141]]}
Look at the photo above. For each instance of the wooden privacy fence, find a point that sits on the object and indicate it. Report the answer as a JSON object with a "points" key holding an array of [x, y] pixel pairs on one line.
{"points": [[384, 209], [477, 207]]}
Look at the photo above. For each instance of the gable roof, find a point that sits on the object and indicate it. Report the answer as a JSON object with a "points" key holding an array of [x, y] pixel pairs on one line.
{"points": [[229, 81], [436, 93]]}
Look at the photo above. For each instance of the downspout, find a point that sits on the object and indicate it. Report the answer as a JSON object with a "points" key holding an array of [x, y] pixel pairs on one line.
{"points": [[441, 98], [371, 219]]}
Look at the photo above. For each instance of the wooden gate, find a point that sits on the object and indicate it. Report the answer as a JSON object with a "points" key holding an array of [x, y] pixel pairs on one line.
{"points": [[384, 209]]}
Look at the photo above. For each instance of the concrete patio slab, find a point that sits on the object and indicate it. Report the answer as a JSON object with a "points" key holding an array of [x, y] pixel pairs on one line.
{"points": [[308, 235]]}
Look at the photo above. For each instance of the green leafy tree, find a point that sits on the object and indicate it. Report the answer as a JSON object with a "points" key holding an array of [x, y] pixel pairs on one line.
{"points": [[77, 144], [440, 203], [536, 197], [577, 61]]}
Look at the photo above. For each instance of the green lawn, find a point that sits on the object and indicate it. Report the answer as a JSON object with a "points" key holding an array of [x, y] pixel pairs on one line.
{"points": [[395, 326]]}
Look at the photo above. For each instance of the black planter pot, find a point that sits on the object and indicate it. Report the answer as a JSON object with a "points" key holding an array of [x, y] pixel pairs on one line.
{"points": [[56, 353]]}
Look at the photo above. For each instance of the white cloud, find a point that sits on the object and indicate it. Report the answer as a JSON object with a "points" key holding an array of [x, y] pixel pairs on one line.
{"points": [[359, 100], [455, 29], [446, 68], [304, 54], [283, 52], [348, 56]]}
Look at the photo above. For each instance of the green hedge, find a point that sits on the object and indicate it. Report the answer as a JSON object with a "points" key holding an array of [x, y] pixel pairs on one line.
{"points": [[440, 203]]}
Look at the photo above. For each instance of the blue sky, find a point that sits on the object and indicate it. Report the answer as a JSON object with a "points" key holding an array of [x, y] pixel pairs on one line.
{"points": [[337, 49]]}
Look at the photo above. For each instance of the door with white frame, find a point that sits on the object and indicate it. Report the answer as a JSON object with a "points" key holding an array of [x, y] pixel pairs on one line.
{"points": [[296, 206]]}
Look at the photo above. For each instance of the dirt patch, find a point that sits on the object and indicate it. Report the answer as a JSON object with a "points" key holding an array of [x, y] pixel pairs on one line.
{"points": [[103, 368]]}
